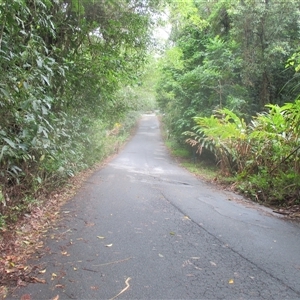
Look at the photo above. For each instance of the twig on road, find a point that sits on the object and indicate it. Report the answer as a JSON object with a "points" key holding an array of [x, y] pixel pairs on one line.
{"points": [[126, 288], [90, 270], [113, 262]]}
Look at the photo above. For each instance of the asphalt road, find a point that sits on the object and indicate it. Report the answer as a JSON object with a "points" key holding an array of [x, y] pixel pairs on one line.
{"points": [[144, 228]]}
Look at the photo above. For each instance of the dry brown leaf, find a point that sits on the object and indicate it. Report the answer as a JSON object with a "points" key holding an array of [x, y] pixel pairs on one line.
{"points": [[25, 297], [89, 224], [30, 229], [56, 297], [39, 280], [3, 292]]}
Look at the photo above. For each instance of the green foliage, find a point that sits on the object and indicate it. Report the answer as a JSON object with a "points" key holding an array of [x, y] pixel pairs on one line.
{"points": [[264, 155], [229, 69], [225, 135], [141, 95], [177, 149], [62, 64], [233, 58]]}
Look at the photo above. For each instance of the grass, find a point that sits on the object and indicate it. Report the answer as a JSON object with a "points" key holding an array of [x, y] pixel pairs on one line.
{"points": [[204, 168]]}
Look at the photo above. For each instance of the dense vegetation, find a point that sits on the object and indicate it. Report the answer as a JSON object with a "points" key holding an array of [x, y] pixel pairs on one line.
{"points": [[229, 86], [63, 64], [71, 79]]}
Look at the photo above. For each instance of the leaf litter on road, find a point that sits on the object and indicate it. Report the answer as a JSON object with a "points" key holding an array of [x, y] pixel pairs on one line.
{"points": [[19, 241]]}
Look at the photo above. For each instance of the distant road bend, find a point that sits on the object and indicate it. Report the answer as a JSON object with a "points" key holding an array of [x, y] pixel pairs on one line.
{"points": [[144, 228]]}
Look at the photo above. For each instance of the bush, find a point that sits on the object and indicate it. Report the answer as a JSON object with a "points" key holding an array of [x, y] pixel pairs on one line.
{"points": [[262, 155]]}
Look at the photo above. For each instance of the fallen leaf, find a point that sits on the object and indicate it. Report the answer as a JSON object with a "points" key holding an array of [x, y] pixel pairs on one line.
{"points": [[231, 281], [172, 233], [19, 283], [43, 271], [100, 237], [56, 298], [59, 286], [35, 279], [3, 292], [160, 255], [186, 218], [213, 263], [89, 224], [25, 297], [109, 245], [12, 270]]}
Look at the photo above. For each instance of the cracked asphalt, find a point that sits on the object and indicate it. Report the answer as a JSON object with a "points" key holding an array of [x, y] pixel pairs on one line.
{"points": [[144, 228]]}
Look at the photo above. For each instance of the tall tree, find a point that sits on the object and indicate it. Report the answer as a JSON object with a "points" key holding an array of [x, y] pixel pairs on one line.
{"points": [[232, 56]]}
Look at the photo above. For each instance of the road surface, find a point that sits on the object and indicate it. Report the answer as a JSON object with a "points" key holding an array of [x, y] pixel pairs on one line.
{"points": [[144, 228]]}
